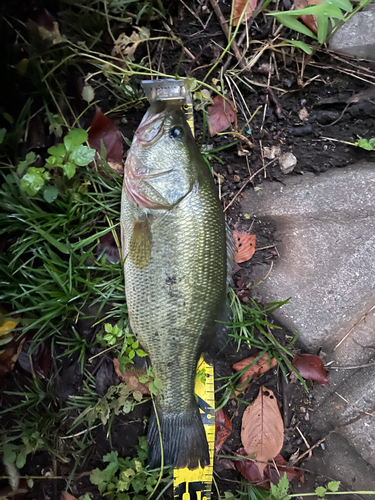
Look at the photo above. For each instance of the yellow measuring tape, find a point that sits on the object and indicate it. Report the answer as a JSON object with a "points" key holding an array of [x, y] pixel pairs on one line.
{"points": [[196, 484]]}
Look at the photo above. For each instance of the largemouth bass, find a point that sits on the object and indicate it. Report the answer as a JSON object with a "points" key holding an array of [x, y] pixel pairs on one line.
{"points": [[175, 251]]}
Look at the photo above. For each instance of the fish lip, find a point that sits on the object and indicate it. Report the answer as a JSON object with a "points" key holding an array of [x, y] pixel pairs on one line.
{"points": [[147, 139]]}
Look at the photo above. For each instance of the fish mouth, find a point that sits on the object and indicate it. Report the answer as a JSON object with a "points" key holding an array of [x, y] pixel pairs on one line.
{"points": [[151, 129]]}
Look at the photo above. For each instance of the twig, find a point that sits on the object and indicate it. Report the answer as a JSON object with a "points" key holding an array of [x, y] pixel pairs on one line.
{"points": [[264, 248], [170, 31], [354, 406], [247, 182], [192, 12], [225, 29], [305, 441], [350, 331], [336, 429], [245, 32], [366, 365]]}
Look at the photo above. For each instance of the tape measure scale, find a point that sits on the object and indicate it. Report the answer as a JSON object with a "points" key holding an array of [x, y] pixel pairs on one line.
{"points": [[196, 484]]}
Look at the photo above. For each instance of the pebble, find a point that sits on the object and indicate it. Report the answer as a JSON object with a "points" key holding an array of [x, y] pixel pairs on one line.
{"points": [[325, 117], [301, 131], [230, 169], [236, 178], [287, 162]]}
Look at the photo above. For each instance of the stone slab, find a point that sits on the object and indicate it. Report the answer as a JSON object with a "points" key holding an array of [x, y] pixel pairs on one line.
{"points": [[339, 462], [349, 403], [326, 225], [357, 36]]}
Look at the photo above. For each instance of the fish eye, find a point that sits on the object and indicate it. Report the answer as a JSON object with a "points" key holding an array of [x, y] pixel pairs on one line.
{"points": [[175, 132]]}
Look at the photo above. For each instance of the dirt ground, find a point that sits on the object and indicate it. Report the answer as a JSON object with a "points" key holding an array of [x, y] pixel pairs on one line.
{"points": [[323, 92]]}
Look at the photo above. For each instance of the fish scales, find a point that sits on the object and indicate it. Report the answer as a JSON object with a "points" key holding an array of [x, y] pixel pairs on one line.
{"points": [[174, 245]]}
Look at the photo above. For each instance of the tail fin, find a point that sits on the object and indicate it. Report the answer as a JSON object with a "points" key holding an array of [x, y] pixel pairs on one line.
{"points": [[184, 440]]}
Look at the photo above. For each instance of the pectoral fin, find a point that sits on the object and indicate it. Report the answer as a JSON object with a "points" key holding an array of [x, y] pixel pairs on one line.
{"points": [[140, 243]]}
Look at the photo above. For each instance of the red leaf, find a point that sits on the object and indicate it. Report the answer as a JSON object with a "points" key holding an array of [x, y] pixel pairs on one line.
{"points": [[275, 473], [307, 19], [107, 245], [67, 496], [223, 429], [131, 378], [245, 246], [41, 360], [256, 370], [272, 474], [238, 8], [247, 467], [220, 115], [262, 431], [310, 367], [104, 130]]}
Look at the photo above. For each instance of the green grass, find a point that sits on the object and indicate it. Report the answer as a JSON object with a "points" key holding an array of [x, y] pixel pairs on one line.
{"points": [[50, 270]]}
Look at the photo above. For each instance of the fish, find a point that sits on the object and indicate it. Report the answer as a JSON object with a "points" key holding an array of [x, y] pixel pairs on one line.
{"points": [[175, 249]]}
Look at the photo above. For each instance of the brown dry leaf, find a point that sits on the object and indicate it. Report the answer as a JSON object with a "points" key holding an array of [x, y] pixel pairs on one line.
{"points": [[223, 429], [220, 115], [131, 378], [245, 246], [239, 6], [9, 354], [67, 496], [262, 430], [308, 20], [256, 370]]}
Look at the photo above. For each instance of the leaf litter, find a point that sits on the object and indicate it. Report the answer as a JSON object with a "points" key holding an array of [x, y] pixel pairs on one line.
{"points": [[245, 244], [311, 367], [262, 430], [257, 368], [220, 115]]}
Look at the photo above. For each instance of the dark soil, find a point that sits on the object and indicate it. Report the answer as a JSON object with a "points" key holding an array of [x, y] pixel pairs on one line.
{"points": [[324, 94]]}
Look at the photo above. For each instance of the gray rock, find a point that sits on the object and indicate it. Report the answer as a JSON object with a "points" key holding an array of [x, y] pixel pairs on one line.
{"points": [[327, 255], [326, 225], [339, 462], [357, 36], [353, 401], [287, 162]]}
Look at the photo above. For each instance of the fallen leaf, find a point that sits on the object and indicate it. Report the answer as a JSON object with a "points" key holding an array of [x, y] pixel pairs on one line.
{"points": [[303, 114], [220, 115], [8, 493], [131, 378], [9, 354], [256, 370], [245, 244], [67, 496], [39, 362], [239, 6], [262, 430], [223, 429], [274, 474], [125, 46], [272, 152], [273, 471], [310, 367], [247, 467], [308, 20], [104, 131], [107, 246], [46, 27]]}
